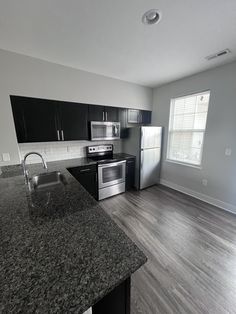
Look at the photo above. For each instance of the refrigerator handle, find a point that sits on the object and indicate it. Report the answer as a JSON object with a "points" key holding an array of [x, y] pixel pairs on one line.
{"points": [[141, 157], [141, 139]]}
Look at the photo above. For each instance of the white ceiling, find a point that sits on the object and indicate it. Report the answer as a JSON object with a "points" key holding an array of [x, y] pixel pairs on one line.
{"points": [[107, 36]]}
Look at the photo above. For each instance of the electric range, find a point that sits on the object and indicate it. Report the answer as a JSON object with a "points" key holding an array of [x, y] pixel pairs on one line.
{"points": [[111, 170]]}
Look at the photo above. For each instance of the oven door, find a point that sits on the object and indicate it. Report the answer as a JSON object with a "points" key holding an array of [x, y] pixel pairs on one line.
{"points": [[111, 174], [104, 130]]}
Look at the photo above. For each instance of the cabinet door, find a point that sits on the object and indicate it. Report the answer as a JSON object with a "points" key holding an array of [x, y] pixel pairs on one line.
{"points": [[146, 117], [112, 114], [96, 113], [74, 121], [123, 122], [134, 116], [18, 116], [39, 119], [130, 173], [87, 176]]}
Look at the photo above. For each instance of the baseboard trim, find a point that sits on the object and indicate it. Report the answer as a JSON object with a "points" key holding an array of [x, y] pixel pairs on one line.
{"points": [[203, 197]]}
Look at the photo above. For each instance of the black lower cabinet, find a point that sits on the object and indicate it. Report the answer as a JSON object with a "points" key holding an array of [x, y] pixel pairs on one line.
{"points": [[87, 176], [130, 173], [115, 302]]}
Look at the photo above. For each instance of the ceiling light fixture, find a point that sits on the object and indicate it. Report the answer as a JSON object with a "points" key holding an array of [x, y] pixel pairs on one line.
{"points": [[151, 17]]}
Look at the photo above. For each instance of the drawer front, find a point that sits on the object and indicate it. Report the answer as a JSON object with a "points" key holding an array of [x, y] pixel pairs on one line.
{"points": [[84, 169]]}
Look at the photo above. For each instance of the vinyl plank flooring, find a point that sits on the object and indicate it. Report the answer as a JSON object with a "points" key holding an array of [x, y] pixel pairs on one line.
{"points": [[191, 250]]}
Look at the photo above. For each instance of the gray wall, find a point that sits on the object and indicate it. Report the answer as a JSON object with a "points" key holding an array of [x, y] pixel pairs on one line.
{"points": [[22, 75], [217, 168]]}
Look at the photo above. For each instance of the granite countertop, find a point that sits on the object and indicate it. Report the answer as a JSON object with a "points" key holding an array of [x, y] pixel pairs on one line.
{"points": [[60, 252]]}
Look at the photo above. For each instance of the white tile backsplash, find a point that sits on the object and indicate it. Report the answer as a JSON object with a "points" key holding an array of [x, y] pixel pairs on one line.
{"points": [[52, 151]]}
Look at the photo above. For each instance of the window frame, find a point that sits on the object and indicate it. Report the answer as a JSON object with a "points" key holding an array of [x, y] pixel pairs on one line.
{"points": [[180, 162]]}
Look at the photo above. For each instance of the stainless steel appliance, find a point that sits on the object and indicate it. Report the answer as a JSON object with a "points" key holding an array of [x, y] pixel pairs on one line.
{"points": [[111, 170], [145, 143], [103, 130]]}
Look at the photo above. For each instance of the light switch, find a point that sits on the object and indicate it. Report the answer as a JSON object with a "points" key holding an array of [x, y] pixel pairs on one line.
{"points": [[228, 152], [6, 157]]}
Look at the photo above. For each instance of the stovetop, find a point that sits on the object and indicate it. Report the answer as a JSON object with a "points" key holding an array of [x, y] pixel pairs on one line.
{"points": [[110, 158], [104, 154], [106, 159]]}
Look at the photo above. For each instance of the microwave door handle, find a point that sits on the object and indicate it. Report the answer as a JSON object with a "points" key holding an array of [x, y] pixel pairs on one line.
{"points": [[115, 130]]}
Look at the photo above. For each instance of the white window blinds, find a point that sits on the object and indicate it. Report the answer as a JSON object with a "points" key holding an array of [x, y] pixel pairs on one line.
{"points": [[187, 124]]}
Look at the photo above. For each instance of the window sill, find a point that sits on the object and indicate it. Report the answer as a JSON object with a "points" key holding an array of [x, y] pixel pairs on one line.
{"points": [[184, 164]]}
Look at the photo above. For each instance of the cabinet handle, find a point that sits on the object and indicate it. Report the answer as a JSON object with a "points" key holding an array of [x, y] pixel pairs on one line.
{"points": [[62, 135], [85, 170], [103, 116], [58, 135], [106, 115]]}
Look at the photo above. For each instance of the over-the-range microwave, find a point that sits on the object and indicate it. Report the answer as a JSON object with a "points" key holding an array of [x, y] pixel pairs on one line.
{"points": [[103, 130]]}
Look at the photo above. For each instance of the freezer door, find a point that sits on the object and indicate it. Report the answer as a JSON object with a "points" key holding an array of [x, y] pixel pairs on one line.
{"points": [[150, 167], [150, 136]]}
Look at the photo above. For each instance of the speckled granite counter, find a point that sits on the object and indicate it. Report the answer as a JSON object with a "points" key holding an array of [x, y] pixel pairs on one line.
{"points": [[60, 252]]}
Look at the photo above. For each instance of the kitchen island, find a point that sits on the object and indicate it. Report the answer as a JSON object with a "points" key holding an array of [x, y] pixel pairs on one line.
{"points": [[60, 252]]}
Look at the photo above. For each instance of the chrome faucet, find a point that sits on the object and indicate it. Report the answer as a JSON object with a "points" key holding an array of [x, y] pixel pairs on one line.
{"points": [[26, 172]]}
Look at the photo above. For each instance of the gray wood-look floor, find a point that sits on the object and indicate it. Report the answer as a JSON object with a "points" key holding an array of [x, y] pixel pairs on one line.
{"points": [[191, 250]]}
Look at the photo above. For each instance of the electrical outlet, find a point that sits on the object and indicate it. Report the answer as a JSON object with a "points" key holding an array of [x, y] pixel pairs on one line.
{"points": [[204, 182], [228, 151], [6, 157]]}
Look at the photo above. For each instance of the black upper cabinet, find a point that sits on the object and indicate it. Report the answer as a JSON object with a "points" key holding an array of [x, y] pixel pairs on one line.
{"points": [[96, 113], [139, 116], [102, 113], [36, 119], [146, 117], [112, 114], [73, 118], [42, 120], [18, 116]]}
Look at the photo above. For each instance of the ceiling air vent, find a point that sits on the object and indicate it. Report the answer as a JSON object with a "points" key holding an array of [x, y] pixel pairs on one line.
{"points": [[218, 54]]}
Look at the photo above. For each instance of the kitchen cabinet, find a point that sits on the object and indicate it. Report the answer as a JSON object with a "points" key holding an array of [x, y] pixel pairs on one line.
{"points": [[115, 302], [103, 113], [130, 173], [43, 120], [146, 117], [112, 114], [96, 113], [138, 116], [87, 176], [35, 119], [73, 121]]}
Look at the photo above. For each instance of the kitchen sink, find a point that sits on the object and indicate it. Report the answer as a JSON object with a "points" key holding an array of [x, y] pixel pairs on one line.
{"points": [[47, 179]]}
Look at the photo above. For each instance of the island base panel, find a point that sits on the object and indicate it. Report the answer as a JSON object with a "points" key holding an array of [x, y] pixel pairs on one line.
{"points": [[116, 302]]}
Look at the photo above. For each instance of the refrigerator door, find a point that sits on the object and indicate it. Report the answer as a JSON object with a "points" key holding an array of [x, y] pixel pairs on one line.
{"points": [[150, 167], [150, 137]]}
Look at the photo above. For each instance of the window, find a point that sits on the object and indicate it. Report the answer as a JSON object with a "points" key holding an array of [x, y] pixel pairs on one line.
{"points": [[187, 124]]}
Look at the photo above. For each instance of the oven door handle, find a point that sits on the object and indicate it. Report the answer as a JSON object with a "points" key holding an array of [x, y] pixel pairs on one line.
{"points": [[112, 164]]}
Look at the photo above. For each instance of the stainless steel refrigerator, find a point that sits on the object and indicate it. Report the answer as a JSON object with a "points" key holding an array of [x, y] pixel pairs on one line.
{"points": [[145, 143]]}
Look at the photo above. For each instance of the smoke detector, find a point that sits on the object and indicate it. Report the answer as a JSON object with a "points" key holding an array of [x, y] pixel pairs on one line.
{"points": [[218, 54], [151, 17]]}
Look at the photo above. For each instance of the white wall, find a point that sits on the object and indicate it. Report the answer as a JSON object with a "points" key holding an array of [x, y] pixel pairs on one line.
{"points": [[26, 76], [218, 169]]}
